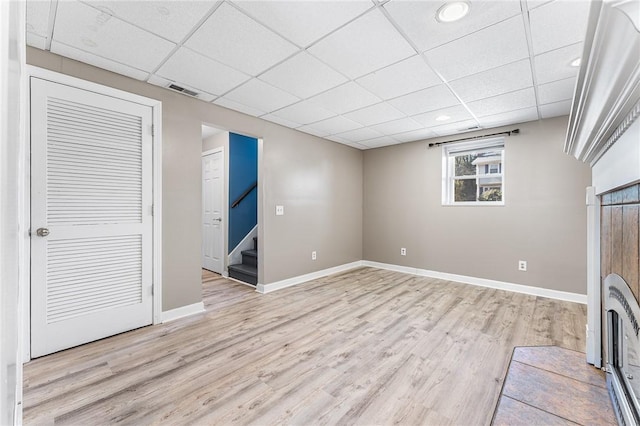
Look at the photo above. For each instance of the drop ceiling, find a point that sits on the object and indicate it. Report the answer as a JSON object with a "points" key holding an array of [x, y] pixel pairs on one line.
{"points": [[362, 73]]}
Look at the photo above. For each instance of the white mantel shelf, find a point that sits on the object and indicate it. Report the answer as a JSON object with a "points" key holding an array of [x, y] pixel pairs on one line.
{"points": [[607, 95]]}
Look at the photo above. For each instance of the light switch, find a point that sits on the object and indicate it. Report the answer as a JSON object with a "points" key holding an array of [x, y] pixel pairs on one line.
{"points": [[279, 210]]}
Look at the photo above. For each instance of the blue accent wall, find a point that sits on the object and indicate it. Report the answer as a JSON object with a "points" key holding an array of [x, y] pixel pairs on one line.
{"points": [[243, 172]]}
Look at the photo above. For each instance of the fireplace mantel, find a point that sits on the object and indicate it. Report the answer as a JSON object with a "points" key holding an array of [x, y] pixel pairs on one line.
{"points": [[607, 95]]}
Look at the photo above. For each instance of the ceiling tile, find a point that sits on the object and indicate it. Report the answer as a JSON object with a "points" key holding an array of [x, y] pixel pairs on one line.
{"points": [[34, 40], [494, 82], [401, 78], [282, 121], [558, 24], [418, 20], [375, 114], [164, 83], [366, 44], [303, 75], [206, 74], [511, 117], [503, 103], [307, 21], [555, 109], [337, 124], [555, 65], [262, 96], [345, 98], [455, 113], [560, 90], [97, 61], [237, 106], [233, 38], [313, 131], [355, 145], [532, 4], [397, 126], [304, 112], [88, 29], [360, 134], [455, 128], [491, 47], [156, 80], [206, 97], [379, 142], [346, 142], [416, 135], [336, 138], [431, 99], [172, 20], [38, 17]]}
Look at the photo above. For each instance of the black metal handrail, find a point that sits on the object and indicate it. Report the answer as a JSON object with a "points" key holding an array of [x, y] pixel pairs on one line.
{"points": [[244, 195]]}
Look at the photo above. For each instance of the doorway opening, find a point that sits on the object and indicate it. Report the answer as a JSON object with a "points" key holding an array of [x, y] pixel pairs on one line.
{"points": [[230, 204]]}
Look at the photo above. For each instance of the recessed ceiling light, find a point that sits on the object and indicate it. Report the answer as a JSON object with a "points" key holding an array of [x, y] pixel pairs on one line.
{"points": [[452, 11], [442, 118], [576, 62]]}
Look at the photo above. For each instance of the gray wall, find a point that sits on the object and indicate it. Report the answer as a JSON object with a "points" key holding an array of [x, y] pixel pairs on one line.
{"points": [[216, 141], [543, 220], [296, 168], [318, 188]]}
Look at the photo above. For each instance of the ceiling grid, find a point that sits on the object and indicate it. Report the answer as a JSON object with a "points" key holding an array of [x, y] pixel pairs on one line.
{"points": [[365, 73]]}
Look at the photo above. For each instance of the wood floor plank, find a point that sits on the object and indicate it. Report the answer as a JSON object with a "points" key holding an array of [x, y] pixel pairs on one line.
{"points": [[561, 361], [515, 413], [365, 346], [588, 405]]}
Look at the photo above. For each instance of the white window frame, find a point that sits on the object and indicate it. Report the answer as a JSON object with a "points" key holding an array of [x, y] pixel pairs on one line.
{"points": [[450, 151]]}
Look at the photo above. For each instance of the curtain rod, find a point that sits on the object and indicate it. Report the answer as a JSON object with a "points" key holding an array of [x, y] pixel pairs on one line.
{"points": [[508, 133]]}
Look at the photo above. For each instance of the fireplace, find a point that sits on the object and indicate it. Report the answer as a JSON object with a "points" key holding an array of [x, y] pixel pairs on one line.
{"points": [[623, 349], [604, 131]]}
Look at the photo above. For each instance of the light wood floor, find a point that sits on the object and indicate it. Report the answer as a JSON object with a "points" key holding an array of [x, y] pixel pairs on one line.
{"points": [[364, 347]]}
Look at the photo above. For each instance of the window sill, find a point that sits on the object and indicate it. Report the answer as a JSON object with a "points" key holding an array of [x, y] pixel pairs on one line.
{"points": [[474, 204]]}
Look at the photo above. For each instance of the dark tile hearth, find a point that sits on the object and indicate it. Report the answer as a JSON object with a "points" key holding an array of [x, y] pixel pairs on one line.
{"points": [[549, 385]]}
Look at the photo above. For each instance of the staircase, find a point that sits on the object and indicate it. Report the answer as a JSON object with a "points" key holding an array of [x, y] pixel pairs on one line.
{"points": [[247, 271]]}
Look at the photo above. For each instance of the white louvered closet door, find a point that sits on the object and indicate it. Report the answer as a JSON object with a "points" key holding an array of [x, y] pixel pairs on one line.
{"points": [[91, 189]]}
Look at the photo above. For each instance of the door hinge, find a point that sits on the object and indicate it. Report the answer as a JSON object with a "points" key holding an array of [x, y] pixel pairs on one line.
{"points": [[153, 130], [153, 210]]}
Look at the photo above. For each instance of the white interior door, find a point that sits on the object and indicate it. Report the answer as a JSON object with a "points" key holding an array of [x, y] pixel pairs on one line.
{"points": [[212, 205], [91, 216]]}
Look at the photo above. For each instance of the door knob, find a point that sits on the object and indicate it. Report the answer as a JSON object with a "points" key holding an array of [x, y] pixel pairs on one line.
{"points": [[42, 232], [219, 219]]}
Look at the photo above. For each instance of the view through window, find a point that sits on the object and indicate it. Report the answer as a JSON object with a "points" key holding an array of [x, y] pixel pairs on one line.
{"points": [[473, 172]]}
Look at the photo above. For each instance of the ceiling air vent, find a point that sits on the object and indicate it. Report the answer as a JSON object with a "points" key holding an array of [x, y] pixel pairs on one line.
{"points": [[182, 90]]}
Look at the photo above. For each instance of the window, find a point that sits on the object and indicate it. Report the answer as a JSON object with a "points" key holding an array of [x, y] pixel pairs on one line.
{"points": [[472, 173]]}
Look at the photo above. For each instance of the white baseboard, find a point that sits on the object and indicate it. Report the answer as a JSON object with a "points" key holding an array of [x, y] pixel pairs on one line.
{"points": [[183, 311], [482, 282], [268, 288]]}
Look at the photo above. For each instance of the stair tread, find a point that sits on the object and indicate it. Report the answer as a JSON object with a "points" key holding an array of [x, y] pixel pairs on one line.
{"points": [[252, 253], [247, 269]]}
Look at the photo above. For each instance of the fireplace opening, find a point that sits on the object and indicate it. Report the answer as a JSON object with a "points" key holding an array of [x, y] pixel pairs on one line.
{"points": [[623, 349]]}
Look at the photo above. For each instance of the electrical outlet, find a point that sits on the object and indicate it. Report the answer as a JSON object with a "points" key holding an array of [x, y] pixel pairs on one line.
{"points": [[313, 255], [279, 210], [403, 251], [522, 265]]}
